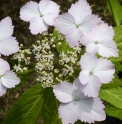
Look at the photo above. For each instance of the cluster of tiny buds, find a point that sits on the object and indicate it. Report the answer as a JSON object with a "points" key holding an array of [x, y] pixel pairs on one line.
{"points": [[44, 57], [23, 56], [51, 67], [51, 73], [68, 60]]}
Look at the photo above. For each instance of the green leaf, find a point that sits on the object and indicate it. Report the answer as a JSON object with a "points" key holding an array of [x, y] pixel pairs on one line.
{"points": [[63, 47], [118, 35], [118, 66], [113, 111], [50, 107], [116, 82], [56, 34], [116, 59], [27, 109], [118, 40], [115, 10], [112, 96]]}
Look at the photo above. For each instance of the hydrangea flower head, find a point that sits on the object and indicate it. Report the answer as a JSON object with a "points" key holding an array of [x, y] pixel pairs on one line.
{"points": [[75, 106], [94, 73], [39, 15], [100, 39], [8, 79], [8, 43], [76, 22]]}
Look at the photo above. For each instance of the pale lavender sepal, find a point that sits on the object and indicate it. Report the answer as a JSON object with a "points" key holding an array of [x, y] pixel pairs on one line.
{"points": [[102, 31], [63, 92], [92, 48], [84, 77], [68, 112], [108, 48], [64, 22], [48, 7], [29, 11], [92, 110], [42, 6], [80, 10], [8, 46], [105, 71], [2, 89], [73, 36], [77, 83], [9, 79], [88, 22], [6, 28], [87, 38], [37, 25], [49, 18], [92, 88], [4, 66], [88, 61]]}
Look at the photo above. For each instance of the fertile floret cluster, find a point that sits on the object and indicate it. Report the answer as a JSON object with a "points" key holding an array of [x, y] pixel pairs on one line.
{"points": [[51, 66], [23, 56]]}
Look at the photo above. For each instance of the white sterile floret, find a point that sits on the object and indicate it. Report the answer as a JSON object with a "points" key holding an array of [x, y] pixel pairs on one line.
{"points": [[8, 79], [8, 43], [100, 40], [76, 22], [39, 15], [76, 106], [95, 71]]}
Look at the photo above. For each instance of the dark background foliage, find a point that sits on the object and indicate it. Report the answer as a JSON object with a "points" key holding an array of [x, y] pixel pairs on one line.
{"points": [[22, 33]]}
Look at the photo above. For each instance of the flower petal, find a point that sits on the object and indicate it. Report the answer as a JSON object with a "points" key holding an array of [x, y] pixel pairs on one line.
{"points": [[37, 25], [8, 46], [64, 22], [88, 62], [84, 77], [88, 22], [10, 79], [29, 11], [91, 110], [69, 113], [104, 70], [49, 18], [108, 48], [73, 39], [80, 10], [92, 88], [77, 83], [104, 65], [6, 28], [4, 66], [2, 89], [87, 38], [78, 86], [92, 48], [63, 92], [47, 6], [102, 31]]}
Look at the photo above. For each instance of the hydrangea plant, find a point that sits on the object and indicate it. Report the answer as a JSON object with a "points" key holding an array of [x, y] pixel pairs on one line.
{"points": [[76, 65]]}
